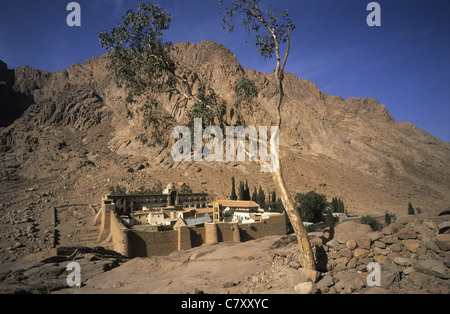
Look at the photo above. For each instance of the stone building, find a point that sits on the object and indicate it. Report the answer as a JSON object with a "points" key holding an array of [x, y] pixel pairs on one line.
{"points": [[170, 199], [231, 222], [236, 211]]}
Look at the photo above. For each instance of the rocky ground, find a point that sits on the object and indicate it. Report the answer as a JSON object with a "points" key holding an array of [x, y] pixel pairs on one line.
{"points": [[413, 253]]}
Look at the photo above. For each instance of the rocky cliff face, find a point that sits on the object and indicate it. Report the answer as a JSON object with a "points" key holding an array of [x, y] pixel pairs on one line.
{"points": [[75, 125]]}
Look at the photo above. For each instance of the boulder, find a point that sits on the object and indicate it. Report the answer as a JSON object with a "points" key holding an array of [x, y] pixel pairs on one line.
{"points": [[443, 241], [411, 245], [311, 274], [406, 234], [432, 267], [364, 242], [388, 239], [360, 253], [351, 244], [350, 230], [402, 261], [306, 288]]}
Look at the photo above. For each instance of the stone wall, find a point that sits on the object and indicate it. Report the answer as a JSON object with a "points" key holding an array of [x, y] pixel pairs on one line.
{"points": [[136, 243], [144, 244], [119, 235], [275, 225]]}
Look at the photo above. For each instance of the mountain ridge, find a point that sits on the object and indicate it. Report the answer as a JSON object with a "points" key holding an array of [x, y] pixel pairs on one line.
{"points": [[353, 149]]}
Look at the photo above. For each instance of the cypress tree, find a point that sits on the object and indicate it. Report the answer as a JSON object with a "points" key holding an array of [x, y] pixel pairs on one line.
{"points": [[233, 196], [255, 195], [241, 191], [247, 192], [387, 219], [410, 209], [261, 197]]}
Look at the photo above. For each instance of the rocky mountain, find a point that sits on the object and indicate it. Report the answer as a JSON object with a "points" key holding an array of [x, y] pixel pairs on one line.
{"points": [[67, 135]]}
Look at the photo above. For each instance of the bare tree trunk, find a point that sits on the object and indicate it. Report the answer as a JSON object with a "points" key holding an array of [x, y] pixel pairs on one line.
{"points": [[306, 254]]}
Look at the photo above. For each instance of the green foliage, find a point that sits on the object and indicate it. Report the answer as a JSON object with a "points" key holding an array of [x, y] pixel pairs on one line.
{"points": [[254, 14], [311, 206], [186, 189], [255, 195], [410, 209], [330, 220], [245, 91], [140, 61], [208, 106], [247, 196], [372, 222], [117, 190], [313, 228], [139, 58], [261, 198], [241, 191], [387, 219], [337, 205], [233, 196], [274, 196]]}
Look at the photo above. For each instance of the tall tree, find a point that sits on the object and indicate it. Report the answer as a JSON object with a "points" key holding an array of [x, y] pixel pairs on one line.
{"points": [[410, 209], [255, 195], [241, 191], [233, 196], [141, 63], [261, 197], [272, 31], [246, 192]]}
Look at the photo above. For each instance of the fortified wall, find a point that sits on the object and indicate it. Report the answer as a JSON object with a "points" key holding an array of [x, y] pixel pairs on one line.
{"points": [[132, 242]]}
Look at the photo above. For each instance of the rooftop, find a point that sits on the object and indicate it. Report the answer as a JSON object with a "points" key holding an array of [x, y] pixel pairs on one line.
{"points": [[235, 204]]}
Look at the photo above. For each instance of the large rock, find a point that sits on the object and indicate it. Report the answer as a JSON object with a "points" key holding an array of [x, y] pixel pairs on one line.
{"points": [[443, 241], [364, 242], [351, 230], [360, 253], [411, 245], [406, 234], [432, 267], [306, 288]]}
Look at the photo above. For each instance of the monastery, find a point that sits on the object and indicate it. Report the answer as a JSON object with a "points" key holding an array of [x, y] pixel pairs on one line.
{"points": [[158, 224]]}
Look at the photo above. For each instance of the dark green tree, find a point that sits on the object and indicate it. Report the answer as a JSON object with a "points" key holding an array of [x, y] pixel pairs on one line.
{"points": [[387, 219], [311, 206], [261, 197], [117, 190], [330, 221], [255, 195], [233, 196], [247, 196], [274, 196], [186, 189], [410, 209], [241, 191]]}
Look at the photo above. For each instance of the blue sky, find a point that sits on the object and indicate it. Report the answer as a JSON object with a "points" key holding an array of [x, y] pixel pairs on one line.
{"points": [[404, 64]]}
